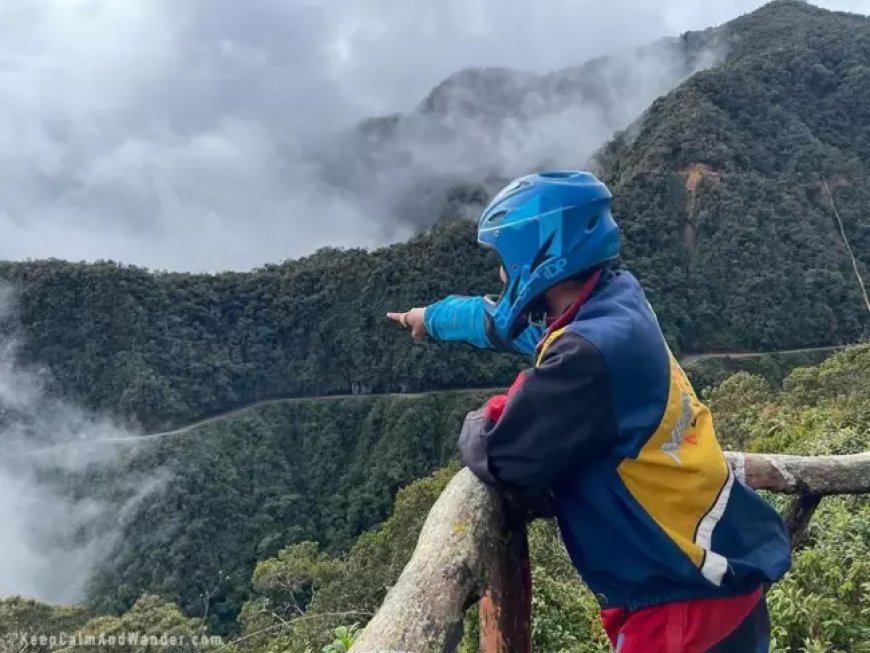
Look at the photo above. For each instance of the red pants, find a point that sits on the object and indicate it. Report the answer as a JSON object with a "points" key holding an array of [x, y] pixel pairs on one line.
{"points": [[739, 625]]}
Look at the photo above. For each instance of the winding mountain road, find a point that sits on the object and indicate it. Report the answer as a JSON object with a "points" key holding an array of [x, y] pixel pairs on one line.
{"points": [[686, 361], [691, 359], [190, 428]]}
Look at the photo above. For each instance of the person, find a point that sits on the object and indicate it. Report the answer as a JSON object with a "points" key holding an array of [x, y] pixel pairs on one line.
{"points": [[676, 548]]}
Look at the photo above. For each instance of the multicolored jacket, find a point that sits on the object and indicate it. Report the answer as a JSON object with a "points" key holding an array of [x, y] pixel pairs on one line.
{"points": [[648, 507]]}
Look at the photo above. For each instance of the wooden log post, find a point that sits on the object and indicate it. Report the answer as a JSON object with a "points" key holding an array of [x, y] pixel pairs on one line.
{"points": [[471, 548], [464, 539], [798, 515], [506, 606]]}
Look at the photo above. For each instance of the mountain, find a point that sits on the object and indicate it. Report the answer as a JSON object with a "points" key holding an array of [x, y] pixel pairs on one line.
{"points": [[482, 126], [721, 192], [722, 186], [162, 349]]}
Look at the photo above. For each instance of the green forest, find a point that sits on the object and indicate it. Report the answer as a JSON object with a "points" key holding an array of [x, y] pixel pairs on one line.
{"points": [[294, 592], [280, 528], [243, 488]]}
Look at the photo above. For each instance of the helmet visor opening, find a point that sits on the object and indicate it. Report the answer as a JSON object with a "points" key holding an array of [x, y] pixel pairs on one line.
{"points": [[495, 299]]}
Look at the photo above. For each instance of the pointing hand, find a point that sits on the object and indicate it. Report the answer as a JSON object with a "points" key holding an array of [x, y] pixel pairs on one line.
{"points": [[413, 320]]}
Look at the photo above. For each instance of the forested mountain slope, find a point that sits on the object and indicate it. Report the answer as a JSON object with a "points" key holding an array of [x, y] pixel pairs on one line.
{"points": [[165, 348], [720, 194], [297, 595], [238, 490], [819, 606], [721, 186]]}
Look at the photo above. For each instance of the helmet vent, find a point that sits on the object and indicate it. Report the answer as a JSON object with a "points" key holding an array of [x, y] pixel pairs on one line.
{"points": [[558, 174], [496, 217], [593, 222], [514, 291], [541, 256]]}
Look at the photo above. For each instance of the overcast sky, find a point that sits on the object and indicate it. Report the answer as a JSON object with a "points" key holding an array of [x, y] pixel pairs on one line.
{"points": [[167, 133]]}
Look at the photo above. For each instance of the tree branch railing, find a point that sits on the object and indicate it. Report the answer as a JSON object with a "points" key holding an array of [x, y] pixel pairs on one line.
{"points": [[473, 547]]}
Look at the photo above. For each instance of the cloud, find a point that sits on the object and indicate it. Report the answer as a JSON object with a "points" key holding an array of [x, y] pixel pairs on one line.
{"points": [[392, 53], [193, 135], [54, 526]]}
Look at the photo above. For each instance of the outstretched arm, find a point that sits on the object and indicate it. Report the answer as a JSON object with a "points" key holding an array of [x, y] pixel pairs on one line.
{"points": [[464, 319]]}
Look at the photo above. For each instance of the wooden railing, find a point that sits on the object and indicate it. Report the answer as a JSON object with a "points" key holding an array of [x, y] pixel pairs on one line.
{"points": [[473, 548]]}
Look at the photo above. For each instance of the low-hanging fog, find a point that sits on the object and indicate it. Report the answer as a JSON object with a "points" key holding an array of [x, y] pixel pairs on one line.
{"points": [[55, 528]]}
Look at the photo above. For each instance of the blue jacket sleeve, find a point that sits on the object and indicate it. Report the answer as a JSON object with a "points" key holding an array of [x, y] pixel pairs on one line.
{"points": [[561, 416], [457, 318]]}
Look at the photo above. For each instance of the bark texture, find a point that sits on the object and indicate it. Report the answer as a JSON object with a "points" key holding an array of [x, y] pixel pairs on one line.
{"points": [[818, 475], [461, 538]]}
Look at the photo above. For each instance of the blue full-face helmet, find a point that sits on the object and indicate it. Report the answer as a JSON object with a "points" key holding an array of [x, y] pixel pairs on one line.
{"points": [[546, 228]]}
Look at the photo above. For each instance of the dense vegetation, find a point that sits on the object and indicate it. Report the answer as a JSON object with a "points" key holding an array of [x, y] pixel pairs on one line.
{"points": [[820, 606], [773, 368], [719, 192], [237, 491], [733, 164], [299, 596], [166, 348]]}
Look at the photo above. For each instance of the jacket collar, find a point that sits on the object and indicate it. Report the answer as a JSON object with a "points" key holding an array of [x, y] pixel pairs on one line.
{"points": [[571, 312]]}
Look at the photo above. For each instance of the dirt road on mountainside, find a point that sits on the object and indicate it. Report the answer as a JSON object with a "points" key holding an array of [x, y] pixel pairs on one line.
{"points": [[687, 360]]}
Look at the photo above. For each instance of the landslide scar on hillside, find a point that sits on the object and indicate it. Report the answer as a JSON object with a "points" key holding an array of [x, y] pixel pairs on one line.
{"points": [[692, 176]]}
